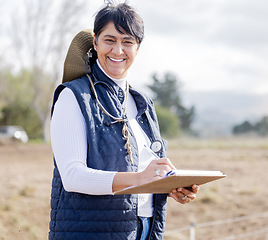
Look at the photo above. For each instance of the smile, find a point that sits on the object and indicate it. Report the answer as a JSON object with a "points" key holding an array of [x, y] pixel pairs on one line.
{"points": [[116, 60]]}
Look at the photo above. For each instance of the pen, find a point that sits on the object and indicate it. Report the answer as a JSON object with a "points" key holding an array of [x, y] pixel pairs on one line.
{"points": [[171, 172]]}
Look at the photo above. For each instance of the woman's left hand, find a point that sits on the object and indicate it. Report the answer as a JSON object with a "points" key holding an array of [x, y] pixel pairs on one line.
{"points": [[184, 195]]}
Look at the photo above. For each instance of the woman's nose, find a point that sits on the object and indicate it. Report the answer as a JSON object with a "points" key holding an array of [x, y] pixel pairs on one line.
{"points": [[118, 49]]}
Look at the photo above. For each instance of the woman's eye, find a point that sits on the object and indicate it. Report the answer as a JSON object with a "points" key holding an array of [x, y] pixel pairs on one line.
{"points": [[128, 43], [109, 40]]}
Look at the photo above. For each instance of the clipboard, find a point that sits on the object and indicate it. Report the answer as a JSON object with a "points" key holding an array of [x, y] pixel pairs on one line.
{"points": [[174, 179]]}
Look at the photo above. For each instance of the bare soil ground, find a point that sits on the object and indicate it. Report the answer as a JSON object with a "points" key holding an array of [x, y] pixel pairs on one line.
{"points": [[26, 172]]}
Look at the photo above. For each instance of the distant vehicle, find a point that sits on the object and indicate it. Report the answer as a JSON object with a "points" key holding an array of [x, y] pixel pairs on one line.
{"points": [[13, 133]]}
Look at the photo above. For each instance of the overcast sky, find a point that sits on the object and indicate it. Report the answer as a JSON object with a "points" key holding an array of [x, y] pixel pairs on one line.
{"points": [[209, 44]]}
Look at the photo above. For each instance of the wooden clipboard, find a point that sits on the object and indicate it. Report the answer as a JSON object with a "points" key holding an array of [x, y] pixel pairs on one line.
{"points": [[166, 184]]}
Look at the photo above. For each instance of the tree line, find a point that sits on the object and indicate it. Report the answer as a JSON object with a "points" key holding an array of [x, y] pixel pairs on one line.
{"points": [[18, 103], [259, 128]]}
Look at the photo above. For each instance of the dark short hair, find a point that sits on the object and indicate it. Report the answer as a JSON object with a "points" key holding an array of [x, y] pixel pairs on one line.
{"points": [[125, 19]]}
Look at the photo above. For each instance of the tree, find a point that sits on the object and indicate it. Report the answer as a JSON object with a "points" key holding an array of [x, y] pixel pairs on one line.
{"points": [[168, 121], [167, 94], [260, 128], [38, 35], [16, 103], [242, 128]]}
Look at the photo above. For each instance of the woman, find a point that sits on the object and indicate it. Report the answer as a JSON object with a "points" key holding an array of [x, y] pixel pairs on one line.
{"points": [[101, 134]]}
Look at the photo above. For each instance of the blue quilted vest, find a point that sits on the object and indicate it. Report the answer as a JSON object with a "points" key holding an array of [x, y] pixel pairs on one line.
{"points": [[76, 216]]}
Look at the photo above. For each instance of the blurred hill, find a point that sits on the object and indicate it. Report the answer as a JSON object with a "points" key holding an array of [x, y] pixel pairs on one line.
{"points": [[218, 111]]}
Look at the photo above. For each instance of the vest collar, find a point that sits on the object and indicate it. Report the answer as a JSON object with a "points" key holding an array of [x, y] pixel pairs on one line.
{"points": [[100, 77], [140, 101]]}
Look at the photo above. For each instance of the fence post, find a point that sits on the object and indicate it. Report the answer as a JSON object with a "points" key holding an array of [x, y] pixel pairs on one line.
{"points": [[192, 231]]}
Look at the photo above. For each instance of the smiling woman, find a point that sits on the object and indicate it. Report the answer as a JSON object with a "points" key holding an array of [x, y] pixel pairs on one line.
{"points": [[100, 130], [116, 52]]}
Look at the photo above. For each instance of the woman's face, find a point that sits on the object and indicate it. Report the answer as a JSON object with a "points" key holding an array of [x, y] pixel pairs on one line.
{"points": [[116, 52]]}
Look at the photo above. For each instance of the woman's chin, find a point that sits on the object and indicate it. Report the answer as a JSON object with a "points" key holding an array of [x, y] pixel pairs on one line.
{"points": [[117, 74]]}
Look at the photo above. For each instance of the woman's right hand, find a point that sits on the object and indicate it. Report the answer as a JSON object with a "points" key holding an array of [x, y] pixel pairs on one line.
{"points": [[155, 170]]}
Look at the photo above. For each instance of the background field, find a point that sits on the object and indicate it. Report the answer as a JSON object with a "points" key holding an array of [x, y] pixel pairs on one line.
{"points": [[26, 172]]}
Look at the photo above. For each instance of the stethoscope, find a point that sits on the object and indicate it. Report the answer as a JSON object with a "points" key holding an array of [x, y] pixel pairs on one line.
{"points": [[116, 119], [156, 146]]}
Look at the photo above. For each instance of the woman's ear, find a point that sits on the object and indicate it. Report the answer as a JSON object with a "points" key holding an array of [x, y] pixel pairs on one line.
{"points": [[95, 42]]}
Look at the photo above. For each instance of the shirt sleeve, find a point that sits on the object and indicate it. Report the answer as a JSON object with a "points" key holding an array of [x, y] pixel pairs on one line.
{"points": [[69, 145]]}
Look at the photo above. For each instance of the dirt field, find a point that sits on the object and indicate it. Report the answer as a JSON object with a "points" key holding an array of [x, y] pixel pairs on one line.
{"points": [[26, 172]]}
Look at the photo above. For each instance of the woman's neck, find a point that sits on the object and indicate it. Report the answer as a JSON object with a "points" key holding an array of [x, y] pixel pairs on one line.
{"points": [[120, 82]]}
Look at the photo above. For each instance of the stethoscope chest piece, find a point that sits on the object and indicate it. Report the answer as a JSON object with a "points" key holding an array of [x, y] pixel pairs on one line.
{"points": [[156, 146]]}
